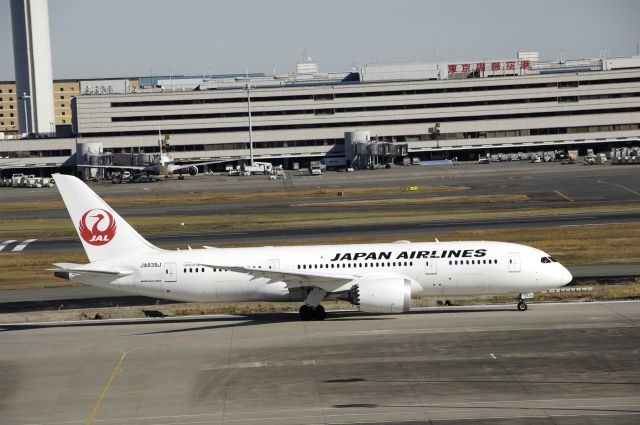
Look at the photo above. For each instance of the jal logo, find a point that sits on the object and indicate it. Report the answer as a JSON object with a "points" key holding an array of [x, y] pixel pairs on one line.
{"points": [[97, 227]]}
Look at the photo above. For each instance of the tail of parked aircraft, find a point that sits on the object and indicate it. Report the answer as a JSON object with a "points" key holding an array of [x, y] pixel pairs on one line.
{"points": [[103, 233]]}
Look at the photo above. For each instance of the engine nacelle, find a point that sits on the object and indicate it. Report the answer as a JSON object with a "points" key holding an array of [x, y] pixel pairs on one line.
{"points": [[193, 170], [381, 295]]}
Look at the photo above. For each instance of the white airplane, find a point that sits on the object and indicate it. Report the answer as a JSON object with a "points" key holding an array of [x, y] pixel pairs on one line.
{"points": [[378, 278], [163, 165]]}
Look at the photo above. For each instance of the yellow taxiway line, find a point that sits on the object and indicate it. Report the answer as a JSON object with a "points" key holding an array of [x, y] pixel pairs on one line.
{"points": [[106, 388], [563, 196]]}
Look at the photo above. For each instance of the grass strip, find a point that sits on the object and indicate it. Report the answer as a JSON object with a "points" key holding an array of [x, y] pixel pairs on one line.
{"points": [[172, 224]]}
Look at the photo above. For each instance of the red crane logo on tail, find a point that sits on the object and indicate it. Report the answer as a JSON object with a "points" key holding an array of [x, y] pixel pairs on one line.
{"points": [[94, 229]]}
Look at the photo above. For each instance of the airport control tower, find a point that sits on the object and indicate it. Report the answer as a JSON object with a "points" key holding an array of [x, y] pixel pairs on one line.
{"points": [[32, 59]]}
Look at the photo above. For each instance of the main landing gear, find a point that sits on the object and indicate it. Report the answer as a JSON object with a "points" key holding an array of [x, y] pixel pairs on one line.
{"points": [[312, 310], [522, 304], [308, 313]]}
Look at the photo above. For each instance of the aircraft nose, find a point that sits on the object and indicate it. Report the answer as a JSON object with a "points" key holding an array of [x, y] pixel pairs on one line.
{"points": [[565, 276]]}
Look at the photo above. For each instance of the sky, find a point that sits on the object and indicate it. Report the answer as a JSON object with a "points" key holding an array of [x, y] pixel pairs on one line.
{"points": [[93, 39]]}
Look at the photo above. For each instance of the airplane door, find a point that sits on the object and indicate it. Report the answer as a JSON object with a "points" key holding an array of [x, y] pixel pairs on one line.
{"points": [[431, 266], [514, 262], [169, 272], [273, 264]]}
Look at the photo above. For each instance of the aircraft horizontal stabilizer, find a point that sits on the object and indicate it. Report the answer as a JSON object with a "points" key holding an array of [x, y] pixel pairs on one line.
{"points": [[82, 269]]}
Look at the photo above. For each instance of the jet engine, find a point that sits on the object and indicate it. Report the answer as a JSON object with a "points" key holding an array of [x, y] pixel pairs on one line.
{"points": [[381, 295], [193, 170]]}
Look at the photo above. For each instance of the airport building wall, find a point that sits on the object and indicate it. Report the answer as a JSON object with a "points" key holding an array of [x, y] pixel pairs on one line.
{"points": [[555, 107], [11, 105], [483, 112]]}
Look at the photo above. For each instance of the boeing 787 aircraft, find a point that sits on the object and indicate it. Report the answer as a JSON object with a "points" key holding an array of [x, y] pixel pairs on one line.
{"points": [[377, 278]]}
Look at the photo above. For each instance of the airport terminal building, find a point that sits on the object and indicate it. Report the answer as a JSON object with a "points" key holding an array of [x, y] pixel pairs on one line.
{"points": [[439, 110]]}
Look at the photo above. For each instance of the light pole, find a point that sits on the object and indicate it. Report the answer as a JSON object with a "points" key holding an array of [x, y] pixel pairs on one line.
{"points": [[250, 130], [24, 98]]}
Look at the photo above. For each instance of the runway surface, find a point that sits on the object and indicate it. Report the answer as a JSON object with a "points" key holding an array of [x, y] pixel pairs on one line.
{"points": [[547, 186], [555, 364]]}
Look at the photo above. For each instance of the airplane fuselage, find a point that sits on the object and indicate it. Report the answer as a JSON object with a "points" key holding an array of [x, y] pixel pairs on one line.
{"points": [[433, 269]]}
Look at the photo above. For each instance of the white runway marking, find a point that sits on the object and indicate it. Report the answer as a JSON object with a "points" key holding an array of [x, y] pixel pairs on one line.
{"points": [[22, 245], [4, 244], [492, 356]]}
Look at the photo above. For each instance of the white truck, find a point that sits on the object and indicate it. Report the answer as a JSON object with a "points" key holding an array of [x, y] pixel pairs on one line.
{"points": [[315, 168], [259, 168], [124, 177]]}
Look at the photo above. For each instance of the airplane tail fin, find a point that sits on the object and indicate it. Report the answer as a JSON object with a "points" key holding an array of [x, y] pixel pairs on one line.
{"points": [[103, 233]]}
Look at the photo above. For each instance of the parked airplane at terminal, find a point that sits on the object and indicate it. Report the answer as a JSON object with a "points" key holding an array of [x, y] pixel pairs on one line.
{"points": [[378, 278], [162, 165]]}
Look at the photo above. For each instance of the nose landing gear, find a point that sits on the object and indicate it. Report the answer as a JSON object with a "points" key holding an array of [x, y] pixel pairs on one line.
{"points": [[522, 304]]}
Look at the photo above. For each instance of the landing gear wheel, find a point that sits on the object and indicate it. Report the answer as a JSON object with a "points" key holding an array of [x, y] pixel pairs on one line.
{"points": [[306, 313], [522, 306], [319, 313]]}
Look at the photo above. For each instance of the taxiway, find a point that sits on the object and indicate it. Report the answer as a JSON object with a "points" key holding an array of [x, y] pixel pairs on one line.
{"points": [[555, 363]]}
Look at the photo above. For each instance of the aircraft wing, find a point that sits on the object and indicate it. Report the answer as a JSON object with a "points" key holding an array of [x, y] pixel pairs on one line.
{"points": [[329, 281], [119, 167], [185, 166]]}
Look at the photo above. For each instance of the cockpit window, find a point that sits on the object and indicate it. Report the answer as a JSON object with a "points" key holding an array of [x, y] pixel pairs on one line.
{"points": [[553, 260], [545, 260]]}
